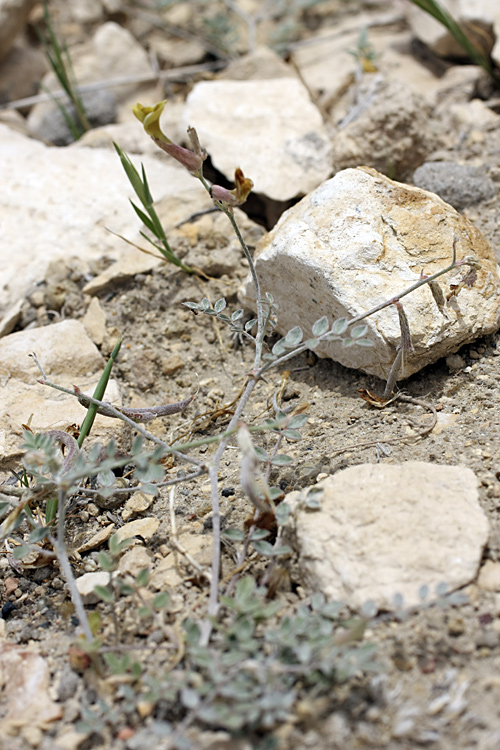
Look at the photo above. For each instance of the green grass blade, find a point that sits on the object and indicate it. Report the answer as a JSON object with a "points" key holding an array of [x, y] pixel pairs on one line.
{"points": [[98, 394], [434, 9], [145, 219], [132, 174]]}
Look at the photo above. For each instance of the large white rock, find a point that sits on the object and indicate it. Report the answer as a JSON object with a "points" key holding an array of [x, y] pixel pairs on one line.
{"points": [[357, 241], [58, 203], [69, 358], [388, 529], [269, 128]]}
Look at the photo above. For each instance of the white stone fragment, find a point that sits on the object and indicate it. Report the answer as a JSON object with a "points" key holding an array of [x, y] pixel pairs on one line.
{"points": [[357, 241], [60, 202], [87, 583], [388, 529], [269, 128]]}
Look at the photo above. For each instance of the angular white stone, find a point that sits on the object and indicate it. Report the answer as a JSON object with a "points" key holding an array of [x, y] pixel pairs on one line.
{"points": [[59, 202], [357, 241], [269, 128], [389, 529]]}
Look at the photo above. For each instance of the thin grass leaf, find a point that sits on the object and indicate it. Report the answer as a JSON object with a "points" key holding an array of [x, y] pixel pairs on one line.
{"points": [[98, 394], [437, 11]]}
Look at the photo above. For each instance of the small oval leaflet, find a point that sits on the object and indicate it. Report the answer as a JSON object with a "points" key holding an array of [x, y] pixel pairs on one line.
{"points": [[358, 331], [293, 337], [340, 326], [220, 305], [320, 326]]}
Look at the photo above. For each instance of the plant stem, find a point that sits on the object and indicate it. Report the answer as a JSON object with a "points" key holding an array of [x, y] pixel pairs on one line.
{"points": [[62, 556]]}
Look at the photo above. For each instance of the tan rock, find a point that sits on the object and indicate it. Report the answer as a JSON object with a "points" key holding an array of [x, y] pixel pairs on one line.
{"points": [[143, 527], [97, 539], [489, 576], [134, 560], [94, 321], [357, 241], [137, 503], [87, 583], [388, 529]]}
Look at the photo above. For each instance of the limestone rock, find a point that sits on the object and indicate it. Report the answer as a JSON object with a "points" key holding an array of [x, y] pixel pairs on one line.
{"points": [[137, 503], [87, 583], [489, 576], [357, 241], [135, 560], [389, 529], [386, 127], [143, 527], [460, 185], [270, 129], [94, 322], [68, 357], [65, 199], [13, 15]]}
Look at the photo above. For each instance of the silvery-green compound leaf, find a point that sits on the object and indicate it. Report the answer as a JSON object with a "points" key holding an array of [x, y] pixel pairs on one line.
{"points": [[233, 534], [298, 421], [192, 305], [348, 342], [269, 298], [261, 453], [225, 318], [205, 303], [279, 348], [292, 435], [236, 315], [320, 326], [250, 324], [312, 343], [282, 460], [358, 331], [364, 342], [259, 534], [264, 548], [220, 305], [293, 337], [340, 326], [282, 513]]}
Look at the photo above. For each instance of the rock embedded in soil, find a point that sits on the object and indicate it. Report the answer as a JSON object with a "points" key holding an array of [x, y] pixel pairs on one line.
{"points": [[269, 128], [13, 16], [386, 127], [460, 185], [385, 529], [357, 241]]}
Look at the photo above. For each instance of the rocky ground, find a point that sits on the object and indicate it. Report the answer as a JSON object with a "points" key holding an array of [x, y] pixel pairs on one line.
{"points": [[71, 289]]}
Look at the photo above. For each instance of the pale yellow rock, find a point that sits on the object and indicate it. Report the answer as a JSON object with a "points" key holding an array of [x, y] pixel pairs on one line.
{"points": [[134, 560], [489, 576], [94, 321], [87, 583], [143, 527], [137, 503], [95, 541], [170, 570]]}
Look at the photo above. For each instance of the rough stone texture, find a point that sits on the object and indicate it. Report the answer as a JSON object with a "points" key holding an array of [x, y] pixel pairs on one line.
{"points": [[56, 203], [354, 243], [460, 185], [13, 15], [49, 125], [68, 357], [389, 529], [143, 527], [87, 583], [480, 20], [387, 128], [270, 129], [20, 71]]}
